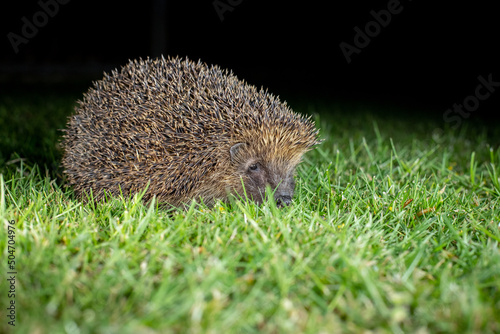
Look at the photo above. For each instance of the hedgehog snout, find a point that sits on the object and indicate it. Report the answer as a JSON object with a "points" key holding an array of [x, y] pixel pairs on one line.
{"points": [[284, 200], [284, 192]]}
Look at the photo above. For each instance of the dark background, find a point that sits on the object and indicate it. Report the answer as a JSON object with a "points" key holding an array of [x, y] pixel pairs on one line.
{"points": [[427, 58]]}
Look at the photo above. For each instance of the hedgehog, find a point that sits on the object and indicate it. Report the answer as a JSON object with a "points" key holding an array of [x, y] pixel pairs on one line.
{"points": [[181, 130]]}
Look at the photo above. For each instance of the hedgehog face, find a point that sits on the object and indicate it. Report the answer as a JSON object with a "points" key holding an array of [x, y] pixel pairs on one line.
{"points": [[258, 174]]}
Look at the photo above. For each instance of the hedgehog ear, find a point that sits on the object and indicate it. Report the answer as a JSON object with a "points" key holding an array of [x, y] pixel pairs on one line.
{"points": [[235, 149]]}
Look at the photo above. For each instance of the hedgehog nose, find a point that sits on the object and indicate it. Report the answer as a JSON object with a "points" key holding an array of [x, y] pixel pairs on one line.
{"points": [[283, 201]]}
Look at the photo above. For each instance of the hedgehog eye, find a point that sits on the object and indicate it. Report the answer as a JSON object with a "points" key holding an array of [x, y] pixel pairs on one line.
{"points": [[253, 167]]}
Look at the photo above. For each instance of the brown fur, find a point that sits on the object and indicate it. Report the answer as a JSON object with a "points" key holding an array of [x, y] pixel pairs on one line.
{"points": [[172, 123]]}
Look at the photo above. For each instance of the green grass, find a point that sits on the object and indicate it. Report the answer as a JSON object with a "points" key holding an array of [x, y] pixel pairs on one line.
{"points": [[351, 255]]}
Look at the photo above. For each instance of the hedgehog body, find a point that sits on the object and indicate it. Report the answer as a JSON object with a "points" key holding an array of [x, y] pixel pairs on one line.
{"points": [[183, 130]]}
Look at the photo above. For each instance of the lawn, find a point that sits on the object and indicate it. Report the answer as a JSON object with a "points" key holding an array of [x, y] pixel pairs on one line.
{"points": [[394, 228]]}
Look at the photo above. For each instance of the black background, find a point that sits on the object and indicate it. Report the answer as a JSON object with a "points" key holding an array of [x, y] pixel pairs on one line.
{"points": [[427, 58]]}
